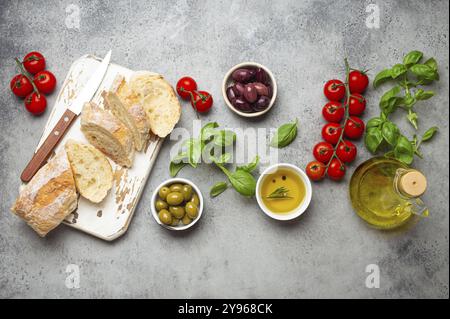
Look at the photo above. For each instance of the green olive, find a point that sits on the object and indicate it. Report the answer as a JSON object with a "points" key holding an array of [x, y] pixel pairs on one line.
{"points": [[160, 204], [163, 192], [177, 211], [191, 210], [186, 220], [176, 188], [175, 222], [165, 217], [174, 198], [195, 200], [187, 192]]}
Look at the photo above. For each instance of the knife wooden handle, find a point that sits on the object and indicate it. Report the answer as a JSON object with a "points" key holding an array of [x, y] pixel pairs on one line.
{"points": [[42, 154]]}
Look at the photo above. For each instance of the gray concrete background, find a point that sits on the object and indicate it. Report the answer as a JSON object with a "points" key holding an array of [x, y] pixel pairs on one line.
{"points": [[234, 251]]}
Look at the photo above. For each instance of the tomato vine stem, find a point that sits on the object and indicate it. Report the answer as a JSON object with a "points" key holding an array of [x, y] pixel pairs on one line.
{"points": [[27, 75]]}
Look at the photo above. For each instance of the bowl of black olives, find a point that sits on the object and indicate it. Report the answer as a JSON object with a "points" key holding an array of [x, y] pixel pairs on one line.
{"points": [[177, 204], [249, 89]]}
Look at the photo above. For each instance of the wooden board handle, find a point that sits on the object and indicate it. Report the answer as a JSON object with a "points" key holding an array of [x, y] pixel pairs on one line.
{"points": [[42, 154]]}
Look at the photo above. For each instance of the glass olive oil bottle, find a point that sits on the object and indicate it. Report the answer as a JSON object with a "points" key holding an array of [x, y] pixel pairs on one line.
{"points": [[385, 192]]}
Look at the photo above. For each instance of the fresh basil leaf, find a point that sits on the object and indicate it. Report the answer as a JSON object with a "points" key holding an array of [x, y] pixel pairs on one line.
{"points": [[175, 168], [428, 135], [285, 134], [374, 122], [390, 133], [218, 189], [193, 151], [431, 62], [398, 70], [412, 57], [243, 182], [222, 159], [208, 131], [412, 118], [389, 100], [373, 139], [404, 150], [250, 167], [224, 138], [424, 71], [408, 101], [382, 77], [423, 95]]}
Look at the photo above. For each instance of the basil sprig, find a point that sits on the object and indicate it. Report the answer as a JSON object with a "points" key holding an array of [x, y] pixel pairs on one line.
{"points": [[285, 135]]}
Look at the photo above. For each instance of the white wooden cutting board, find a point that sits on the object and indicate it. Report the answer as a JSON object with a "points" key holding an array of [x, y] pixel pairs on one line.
{"points": [[109, 219]]}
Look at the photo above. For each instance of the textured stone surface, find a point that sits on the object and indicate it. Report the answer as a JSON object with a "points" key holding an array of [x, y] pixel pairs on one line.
{"points": [[234, 251]]}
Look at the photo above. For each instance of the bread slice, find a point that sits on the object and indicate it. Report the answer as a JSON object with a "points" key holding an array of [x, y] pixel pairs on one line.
{"points": [[126, 106], [49, 197], [91, 169], [108, 134], [159, 101]]}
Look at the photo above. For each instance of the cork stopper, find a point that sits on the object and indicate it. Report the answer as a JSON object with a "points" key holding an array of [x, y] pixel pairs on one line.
{"points": [[412, 183]]}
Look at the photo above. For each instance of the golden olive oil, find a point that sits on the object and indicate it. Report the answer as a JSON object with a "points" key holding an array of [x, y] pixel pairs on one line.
{"points": [[282, 191], [375, 196]]}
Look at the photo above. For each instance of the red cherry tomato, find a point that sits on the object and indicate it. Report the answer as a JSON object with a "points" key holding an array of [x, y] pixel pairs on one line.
{"points": [[334, 90], [35, 103], [315, 170], [202, 101], [333, 112], [323, 152], [185, 85], [20, 85], [357, 104], [336, 170], [346, 151], [358, 82], [354, 127], [331, 133], [45, 82], [34, 62]]}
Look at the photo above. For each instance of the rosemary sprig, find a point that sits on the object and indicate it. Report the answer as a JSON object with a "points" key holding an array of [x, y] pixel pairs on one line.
{"points": [[279, 193]]}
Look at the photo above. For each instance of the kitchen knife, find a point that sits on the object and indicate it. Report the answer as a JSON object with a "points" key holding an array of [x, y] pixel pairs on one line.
{"points": [[63, 125]]}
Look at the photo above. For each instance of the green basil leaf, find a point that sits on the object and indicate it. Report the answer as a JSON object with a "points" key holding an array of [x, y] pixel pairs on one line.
{"points": [[431, 62], [243, 182], [285, 134], [412, 57], [218, 189], [373, 139], [223, 159], [208, 131], [404, 150], [374, 122], [194, 151], [412, 118], [423, 95], [390, 99], [409, 101], [428, 135], [382, 77], [424, 71], [175, 168], [250, 167], [224, 138], [398, 70], [390, 133]]}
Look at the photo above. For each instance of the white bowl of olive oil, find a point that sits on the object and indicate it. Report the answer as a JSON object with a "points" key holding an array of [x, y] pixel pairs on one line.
{"points": [[283, 191]]}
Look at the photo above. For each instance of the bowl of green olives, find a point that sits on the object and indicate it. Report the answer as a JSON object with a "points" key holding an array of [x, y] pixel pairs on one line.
{"points": [[177, 204]]}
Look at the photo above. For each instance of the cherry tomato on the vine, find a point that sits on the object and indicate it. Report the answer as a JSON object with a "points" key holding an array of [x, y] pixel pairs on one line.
{"points": [[336, 170], [346, 151], [34, 62], [202, 101], [323, 151], [20, 85], [45, 82], [334, 90], [357, 82], [331, 133], [354, 127], [315, 170], [357, 104], [185, 86], [333, 112], [36, 103]]}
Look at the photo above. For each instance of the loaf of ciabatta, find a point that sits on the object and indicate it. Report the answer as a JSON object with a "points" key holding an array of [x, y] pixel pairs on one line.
{"points": [[49, 197], [159, 101], [91, 170], [108, 134], [126, 106]]}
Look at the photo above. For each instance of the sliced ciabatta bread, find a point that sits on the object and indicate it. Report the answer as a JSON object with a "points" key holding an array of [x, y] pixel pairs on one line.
{"points": [[126, 105], [49, 197], [159, 101], [91, 169], [107, 133]]}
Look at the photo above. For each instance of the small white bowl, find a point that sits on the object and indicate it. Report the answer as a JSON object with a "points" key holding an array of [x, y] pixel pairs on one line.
{"points": [[300, 209], [170, 182], [227, 81]]}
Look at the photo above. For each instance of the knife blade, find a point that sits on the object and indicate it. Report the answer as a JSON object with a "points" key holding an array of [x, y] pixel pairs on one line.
{"points": [[66, 120]]}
